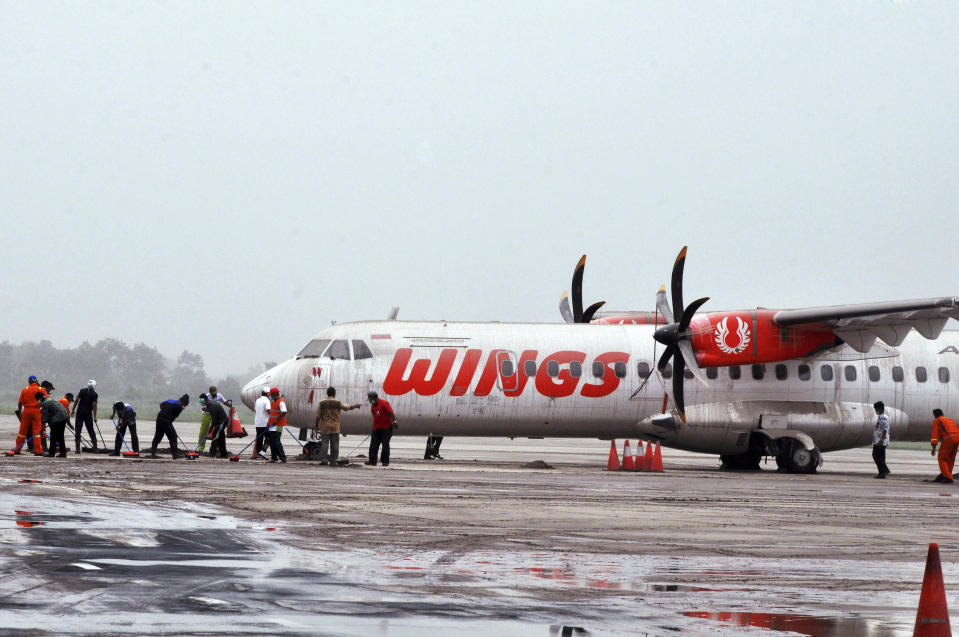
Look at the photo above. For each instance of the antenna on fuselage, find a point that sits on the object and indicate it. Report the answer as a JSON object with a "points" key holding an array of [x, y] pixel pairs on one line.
{"points": [[393, 314]]}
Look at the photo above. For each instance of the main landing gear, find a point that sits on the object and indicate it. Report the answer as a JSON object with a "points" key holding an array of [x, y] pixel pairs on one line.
{"points": [[791, 455]]}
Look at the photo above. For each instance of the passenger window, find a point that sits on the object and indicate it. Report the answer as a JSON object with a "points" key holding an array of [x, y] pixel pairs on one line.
{"points": [[921, 375], [668, 371], [619, 368], [314, 348], [850, 373], [758, 372], [826, 372], [781, 372], [506, 368], [643, 369], [804, 372], [339, 350], [897, 374], [552, 368], [735, 372], [530, 368], [360, 350], [943, 374], [874, 373], [598, 369], [575, 369], [712, 373], [688, 373]]}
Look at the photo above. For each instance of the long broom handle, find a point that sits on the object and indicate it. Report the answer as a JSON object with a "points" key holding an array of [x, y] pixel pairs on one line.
{"points": [[251, 442], [358, 446]]}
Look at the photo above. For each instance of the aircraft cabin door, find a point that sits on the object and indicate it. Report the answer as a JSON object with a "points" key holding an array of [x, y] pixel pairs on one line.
{"points": [[313, 386]]}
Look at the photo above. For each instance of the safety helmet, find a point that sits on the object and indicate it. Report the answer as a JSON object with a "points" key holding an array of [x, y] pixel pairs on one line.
{"points": [[274, 390], [92, 384], [266, 389], [32, 379]]}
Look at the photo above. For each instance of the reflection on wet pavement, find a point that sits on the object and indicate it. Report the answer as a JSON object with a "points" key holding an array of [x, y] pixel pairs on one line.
{"points": [[84, 565]]}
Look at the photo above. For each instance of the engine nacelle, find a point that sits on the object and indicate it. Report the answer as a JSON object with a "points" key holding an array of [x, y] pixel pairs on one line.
{"points": [[746, 337]]}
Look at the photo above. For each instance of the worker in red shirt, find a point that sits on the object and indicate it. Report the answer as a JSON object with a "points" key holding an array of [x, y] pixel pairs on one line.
{"points": [[29, 410], [946, 433], [384, 421]]}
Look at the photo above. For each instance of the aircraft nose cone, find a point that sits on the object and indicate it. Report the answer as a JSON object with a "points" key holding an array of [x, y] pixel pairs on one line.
{"points": [[250, 392]]}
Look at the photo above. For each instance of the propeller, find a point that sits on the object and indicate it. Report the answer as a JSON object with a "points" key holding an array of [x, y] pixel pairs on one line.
{"points": [[576, 314], [676, 336]]}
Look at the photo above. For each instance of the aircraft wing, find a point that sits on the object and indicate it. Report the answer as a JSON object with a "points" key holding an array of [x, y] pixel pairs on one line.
{"points": [[859, 325]]}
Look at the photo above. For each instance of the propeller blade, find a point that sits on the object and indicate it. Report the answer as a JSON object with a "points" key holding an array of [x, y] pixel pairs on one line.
{"points": [[662, 305], [577, 290], [677, 282], [564, 309], [664, 359], [588, 314], [678, 401], [688, 313], [686, 348]]}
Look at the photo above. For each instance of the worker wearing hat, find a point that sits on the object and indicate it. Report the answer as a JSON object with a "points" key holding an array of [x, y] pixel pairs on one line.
{"points": [[169, 410], [85, 409], [29, 410], [275, 425], [261, 420], [126, 419], [53, 413], [47, 388]]}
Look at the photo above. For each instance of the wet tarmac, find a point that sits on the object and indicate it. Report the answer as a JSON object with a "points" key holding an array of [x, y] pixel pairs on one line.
{"points": [[475, 545]]}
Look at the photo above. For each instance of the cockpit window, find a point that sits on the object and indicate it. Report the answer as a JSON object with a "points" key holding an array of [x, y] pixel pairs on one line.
{"points": [[361, 350], [314, 348], [339, 350]]}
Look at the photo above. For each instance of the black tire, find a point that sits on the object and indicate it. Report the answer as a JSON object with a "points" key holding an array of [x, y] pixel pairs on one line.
{"points": [[797, 459], [748, 461]]}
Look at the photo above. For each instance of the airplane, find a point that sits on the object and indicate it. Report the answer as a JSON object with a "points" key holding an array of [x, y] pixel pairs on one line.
{"points": [[743, 384]]}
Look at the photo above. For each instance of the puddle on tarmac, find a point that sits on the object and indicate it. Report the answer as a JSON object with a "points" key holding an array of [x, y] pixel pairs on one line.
{"points": [[106, 567], [798, 624]]}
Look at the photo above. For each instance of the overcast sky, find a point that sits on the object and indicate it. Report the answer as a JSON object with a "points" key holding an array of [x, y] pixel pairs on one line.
{"points": [[229, 177]]}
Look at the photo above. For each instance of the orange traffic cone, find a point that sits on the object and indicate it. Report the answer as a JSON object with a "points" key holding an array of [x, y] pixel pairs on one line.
{"points": [[613, 464], [648, 458], [932, 618], [628, 458], [638, 456], [657, 463]]}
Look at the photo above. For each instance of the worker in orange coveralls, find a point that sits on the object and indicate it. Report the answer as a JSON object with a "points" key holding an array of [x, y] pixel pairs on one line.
{"points": [[29, 410], [946, 433]]}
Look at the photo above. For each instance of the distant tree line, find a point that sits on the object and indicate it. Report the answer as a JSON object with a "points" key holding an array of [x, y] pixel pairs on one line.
{"points": [[135, 374]]}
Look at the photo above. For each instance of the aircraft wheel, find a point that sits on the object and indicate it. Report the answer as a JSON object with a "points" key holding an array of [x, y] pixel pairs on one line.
{"points": [[797, 459], [748, 461]]}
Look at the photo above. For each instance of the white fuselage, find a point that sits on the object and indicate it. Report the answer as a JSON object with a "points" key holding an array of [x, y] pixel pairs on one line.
{"points": [[469, 382]]}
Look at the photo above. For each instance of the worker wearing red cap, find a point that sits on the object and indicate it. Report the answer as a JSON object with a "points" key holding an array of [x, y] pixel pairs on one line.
{"points": [[29, 410], [946, 434], [275, 425]]}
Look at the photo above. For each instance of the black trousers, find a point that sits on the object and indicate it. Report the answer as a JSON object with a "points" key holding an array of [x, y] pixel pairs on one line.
{"points": [[121, 434], [276, 445], [377, 438], [56, 437], [433, 447], [81, 420], [879, 455], [165, 428], [263, 442], [218, 448]]}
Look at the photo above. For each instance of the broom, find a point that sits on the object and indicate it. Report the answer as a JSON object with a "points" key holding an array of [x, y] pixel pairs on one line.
{"points": [[236, 458]]}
